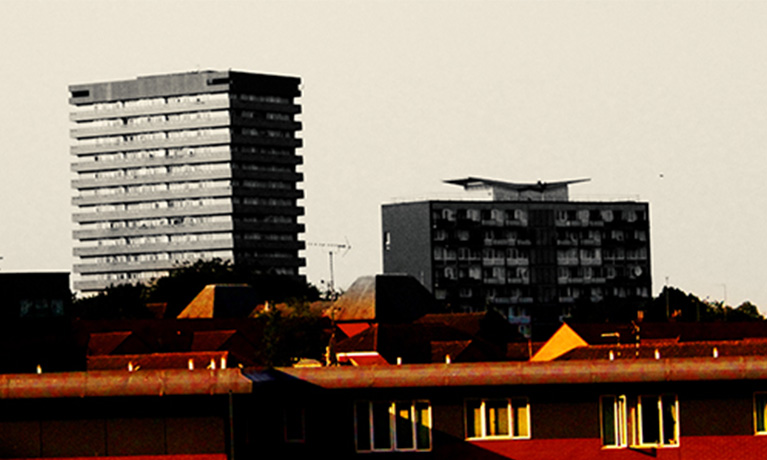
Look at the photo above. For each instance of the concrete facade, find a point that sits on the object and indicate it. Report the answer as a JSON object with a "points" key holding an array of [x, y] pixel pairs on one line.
{"points": [[531, 259], [171, 169]]}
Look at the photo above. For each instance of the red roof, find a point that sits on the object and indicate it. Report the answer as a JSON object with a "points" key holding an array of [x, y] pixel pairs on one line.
{"points": [[199, 360]]}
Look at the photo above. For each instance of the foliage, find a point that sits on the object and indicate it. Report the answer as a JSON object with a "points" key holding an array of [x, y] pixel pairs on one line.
{"points": [[182, 285], [673, 303], [117, 302]]}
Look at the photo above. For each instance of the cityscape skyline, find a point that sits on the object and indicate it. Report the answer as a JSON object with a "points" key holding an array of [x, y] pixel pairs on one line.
{"points": [[660, 101]]}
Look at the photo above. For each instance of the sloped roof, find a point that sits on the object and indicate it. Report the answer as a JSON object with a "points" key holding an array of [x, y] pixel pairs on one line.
{"points": [[431, 340], [210, 340], [104, 343], [358, 302], [670, 350], [222, 301], [393, 298], [605, 333], [362, 359], [200, 360]]}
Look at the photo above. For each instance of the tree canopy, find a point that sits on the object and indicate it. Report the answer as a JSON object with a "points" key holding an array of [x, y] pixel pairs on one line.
{"points": [[182, 284]]}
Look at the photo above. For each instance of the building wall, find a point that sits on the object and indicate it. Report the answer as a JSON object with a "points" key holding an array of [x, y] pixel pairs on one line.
{"points": [[90, 427], [523, 258], [715, 421], [407, 241], [171, 169]]}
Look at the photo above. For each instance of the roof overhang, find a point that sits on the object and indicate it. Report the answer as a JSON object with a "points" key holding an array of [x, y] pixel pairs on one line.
{"points": [[123, 383], [527, 373]]}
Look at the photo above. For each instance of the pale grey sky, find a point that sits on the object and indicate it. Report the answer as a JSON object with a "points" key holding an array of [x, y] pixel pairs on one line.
{"points": [[401, 95]]}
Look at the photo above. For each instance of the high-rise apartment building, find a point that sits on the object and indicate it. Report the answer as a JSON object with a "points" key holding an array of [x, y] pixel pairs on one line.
{"points": [[525, 250], [176, 168]]}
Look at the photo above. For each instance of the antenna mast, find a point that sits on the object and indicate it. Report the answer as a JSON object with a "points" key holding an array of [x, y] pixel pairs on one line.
{"points": [[333, 248]]}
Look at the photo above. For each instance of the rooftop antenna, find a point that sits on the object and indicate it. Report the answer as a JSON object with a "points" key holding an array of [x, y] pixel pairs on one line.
{"points": [[332, 249]]}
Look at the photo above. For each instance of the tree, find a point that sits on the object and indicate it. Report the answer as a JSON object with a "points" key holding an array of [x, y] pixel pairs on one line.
{"points": [[125, 301], [182, 284], [674, 304]]}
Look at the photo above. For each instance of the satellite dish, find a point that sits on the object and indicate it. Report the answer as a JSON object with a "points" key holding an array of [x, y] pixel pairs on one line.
{"points": [[637, 271]]}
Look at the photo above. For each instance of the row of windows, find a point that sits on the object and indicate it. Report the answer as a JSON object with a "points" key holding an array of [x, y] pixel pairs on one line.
{"points": [[180, 100], [646, 420], [261, 132], [157, 222], [122, 277], [187, 203], [183, 152], [159, 204], [406, 425], [569, 274], [155, 170], [154, 119], [520, 216], [159, 256], [266, 115], [153, 102], [605, 215], [475, 254], [477, 215], [656, 423], [596, 236], [512, 274], [182, 186], [152, 188], [156, 239], [153, 136]]}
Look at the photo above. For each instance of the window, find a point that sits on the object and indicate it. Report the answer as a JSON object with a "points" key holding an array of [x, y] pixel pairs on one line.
{"points": [[658, 420], [760, 412], [498, 418], [392, 425], [613, 421]]}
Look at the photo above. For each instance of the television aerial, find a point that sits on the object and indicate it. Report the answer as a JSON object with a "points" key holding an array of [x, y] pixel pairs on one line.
{"points": [[333, 248]]}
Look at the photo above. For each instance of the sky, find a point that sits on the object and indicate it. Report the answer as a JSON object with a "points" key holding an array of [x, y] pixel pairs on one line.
{"points": [[658, 101]]}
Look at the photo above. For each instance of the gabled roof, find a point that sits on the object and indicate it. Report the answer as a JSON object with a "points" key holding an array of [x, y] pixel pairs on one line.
{"points": [[222, 301], [461, 336], [564, 340], [392, 298]]}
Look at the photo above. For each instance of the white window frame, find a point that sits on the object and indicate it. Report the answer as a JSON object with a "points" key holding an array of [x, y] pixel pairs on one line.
{"points": [[760, 406], [394, 444], [484, 427], [657, 401], [615, 404]]}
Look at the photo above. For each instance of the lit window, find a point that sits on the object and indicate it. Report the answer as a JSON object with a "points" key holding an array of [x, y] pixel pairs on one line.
{"points": [[498, 418], [613, 421], [658, 420], [760, 408], [392, 425]]}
